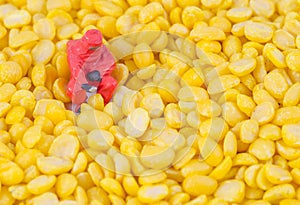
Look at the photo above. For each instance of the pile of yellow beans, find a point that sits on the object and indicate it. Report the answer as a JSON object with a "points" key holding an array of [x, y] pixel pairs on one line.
{"points": [[206, 112]]}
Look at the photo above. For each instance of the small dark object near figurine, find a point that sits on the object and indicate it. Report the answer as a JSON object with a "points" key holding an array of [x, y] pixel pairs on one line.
{"points": [[91, 65]]}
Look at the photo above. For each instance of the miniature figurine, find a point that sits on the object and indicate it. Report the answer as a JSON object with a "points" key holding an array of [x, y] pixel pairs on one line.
{"points": [[91, 65]]}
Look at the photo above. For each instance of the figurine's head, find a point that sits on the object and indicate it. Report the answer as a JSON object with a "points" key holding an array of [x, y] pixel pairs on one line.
{"points": [[93, 38]]}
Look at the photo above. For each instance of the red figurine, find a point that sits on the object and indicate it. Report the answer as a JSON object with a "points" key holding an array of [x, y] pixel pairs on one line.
{"points": [[91, 65]]}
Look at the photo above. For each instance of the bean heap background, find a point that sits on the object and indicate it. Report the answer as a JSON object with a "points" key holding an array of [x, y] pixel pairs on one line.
{"points": [[217, 109]]}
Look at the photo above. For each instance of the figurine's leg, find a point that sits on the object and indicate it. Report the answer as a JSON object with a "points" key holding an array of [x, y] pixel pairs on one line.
{"points": [[107, 88], [79, 97], [89, 88]]}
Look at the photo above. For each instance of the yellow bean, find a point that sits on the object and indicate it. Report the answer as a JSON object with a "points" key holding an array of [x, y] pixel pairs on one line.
{"points": [[258, 32], [239, 14], [232, 114], [23, 38], [15, 114], [125, 23], [27, 157], [5, 9], [151, 156], [214, 128], [275, 84], [130, 185], [65, 185], [80, 195], [137, 122], [277, 175], [260, 71], [231, 190], [207, 184], [231, 45], [59, 91], [191, 15], [96, 119], [24, 83], [152, 193], [209, 46], [91, 19], [174, 117], [84, 180], [67, 30], [105, 8], [11, 173], [112, 186], [32, 136], [244, 159], [168, 90], [41, 92], [222, 83], [151, 177], [290, 134], [243, 66], [210, 151], [283, 39], [222, 169], [230, 144], [286, 152], [251, 174], [249, 52], [7, 90], [143, 55], [175, 15], [19, 192], [179, 29], [45, 28], [153, 104], [279, 192], [10, 72], [97, 195], [249, 131], [47, 197], [263, 113], [292, 60], [6, 152], [196, 166], [150, 12], [263, 149], [17, 18], [270, 131], [54, 165], [43, 51], [289, 202], [65, 146], [245, 104], [274, 55], [207, 33], [286, 115], [183, 3], [100, 139], [264, 8], [38, 75], [41, 184], [4, 136], [292, 95], [188, 153], [58, 5], [169, 138], [137, 2], [209, 108]]}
